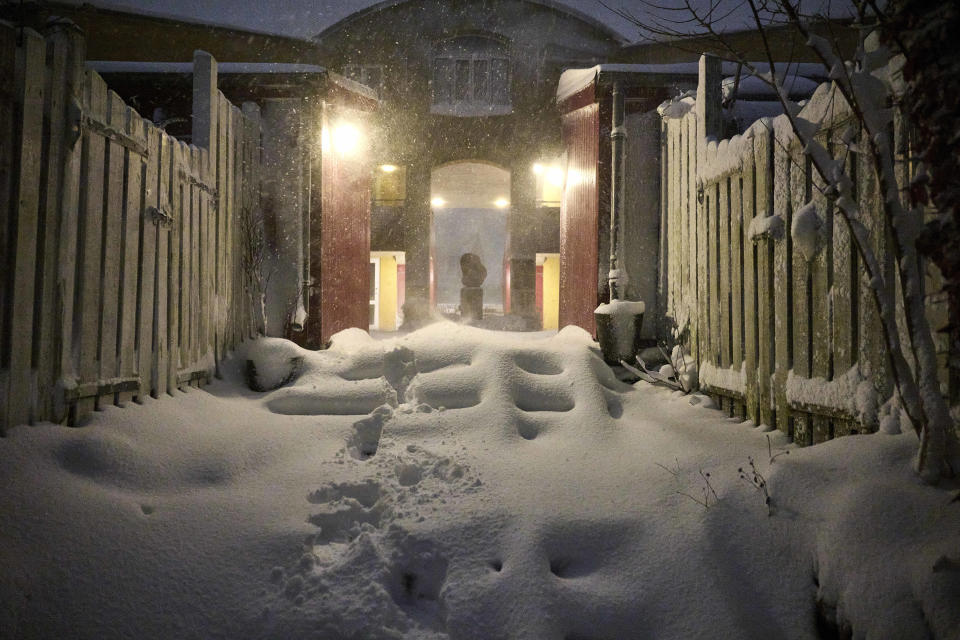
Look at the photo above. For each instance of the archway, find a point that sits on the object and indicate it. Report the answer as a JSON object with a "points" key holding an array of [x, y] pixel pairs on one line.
{"points": [[470, 204]]}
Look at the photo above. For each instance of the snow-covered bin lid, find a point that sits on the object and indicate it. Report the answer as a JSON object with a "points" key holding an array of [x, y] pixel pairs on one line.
{"points": [[621, 308]]}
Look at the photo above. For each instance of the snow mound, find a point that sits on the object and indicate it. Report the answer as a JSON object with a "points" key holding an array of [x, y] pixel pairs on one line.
{"points": [[441, 367], [476, 485]]}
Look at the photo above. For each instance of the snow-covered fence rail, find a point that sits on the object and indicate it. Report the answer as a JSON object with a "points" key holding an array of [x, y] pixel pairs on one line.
{"points": [[125, 268], [761, 279]]}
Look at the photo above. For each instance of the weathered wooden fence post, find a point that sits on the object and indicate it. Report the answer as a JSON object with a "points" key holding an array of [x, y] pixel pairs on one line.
{"points": [[22, 243]]}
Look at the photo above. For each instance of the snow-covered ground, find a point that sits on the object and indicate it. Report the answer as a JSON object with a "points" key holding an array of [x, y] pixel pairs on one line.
{"points": [[516, 490]]}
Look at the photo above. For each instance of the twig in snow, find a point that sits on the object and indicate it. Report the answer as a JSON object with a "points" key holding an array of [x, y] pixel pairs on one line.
{"points": [[780, 452], [753, 477]]}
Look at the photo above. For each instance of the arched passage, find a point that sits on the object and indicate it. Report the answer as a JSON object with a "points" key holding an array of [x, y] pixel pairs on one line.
{"points": [[470, 206]]}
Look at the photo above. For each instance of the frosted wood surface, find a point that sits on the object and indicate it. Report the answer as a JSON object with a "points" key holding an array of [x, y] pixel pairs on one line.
{"points": [[112, 244], [46, 324], [87, 319], [132, 214], [148, 265], [30, 87], [801, 297]]}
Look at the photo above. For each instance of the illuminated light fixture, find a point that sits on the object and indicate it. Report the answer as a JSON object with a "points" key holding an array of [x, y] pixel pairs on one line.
{"points": [[537, 168], [388, 168], [345, 138], [501, 203], [438, 202], [555, 176]]}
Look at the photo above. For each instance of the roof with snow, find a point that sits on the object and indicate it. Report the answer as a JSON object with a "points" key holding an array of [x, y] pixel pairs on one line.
{"points": [[550, 4], [572, 81], [266, 75]]}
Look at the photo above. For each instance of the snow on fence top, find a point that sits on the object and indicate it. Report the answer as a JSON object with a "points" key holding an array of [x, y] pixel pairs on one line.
{"points": [[826, 107], [575, 80]]}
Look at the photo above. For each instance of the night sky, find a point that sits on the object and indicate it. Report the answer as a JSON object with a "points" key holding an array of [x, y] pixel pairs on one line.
{"points": [[306, 18]]}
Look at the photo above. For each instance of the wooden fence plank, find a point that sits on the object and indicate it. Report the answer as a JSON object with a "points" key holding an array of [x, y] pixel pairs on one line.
{"points": [[29, 87], [723, 260], [231, 226], [237, 301], [736, 278], [667, 285], [196, 213], [8, 109], [208, 245], [184, 231], [801, 315], [712, 203], [846, 300], [697, 246], [87, 319], [750, 308], [724, 215], [161, 362], [197, 323], [132, 215], [220, 231], [45, 356], [823, 300], [148, 264], [252, 123], [111, 247], [766, 326], [173, 268], [68, 234], [782, 290]]}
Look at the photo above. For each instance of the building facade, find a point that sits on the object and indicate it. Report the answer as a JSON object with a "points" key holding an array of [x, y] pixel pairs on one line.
{"points": [[466, 82]]}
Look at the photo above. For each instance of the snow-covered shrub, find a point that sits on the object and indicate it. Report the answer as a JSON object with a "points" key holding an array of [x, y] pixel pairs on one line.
{"points": [[272, 363]]}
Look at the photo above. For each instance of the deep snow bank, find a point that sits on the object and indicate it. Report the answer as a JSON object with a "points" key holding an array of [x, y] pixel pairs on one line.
{"points": [[457, 483]]}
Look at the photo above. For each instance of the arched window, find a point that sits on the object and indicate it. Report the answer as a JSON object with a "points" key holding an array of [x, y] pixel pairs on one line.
{"points": [[471, 77]]}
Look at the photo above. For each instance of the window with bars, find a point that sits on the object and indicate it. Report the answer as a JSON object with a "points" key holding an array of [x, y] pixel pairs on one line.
{"points": [[471, 77]]}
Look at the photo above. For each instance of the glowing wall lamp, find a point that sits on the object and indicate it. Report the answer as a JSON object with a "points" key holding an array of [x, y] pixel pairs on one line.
{"points": [[501, 203], [388, 168], [555, 176], [344, 138], [437, 202]]}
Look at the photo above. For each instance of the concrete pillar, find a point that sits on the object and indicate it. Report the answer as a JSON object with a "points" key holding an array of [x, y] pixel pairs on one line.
{"points": [[523, 228], [416, 224], [282, 196], [640, 225]]}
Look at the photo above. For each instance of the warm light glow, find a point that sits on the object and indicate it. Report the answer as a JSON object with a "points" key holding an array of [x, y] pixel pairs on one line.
{"points": [[501, 203], [438, 202], [555, 176], [537, 168], [388, 168], [345, 138]]}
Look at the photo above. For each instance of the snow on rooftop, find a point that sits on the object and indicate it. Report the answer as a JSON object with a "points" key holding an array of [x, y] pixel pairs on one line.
{"points": [[572, 81]]}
